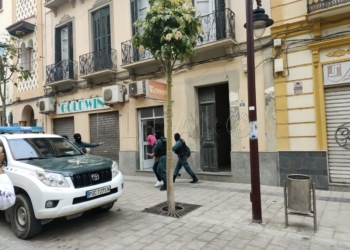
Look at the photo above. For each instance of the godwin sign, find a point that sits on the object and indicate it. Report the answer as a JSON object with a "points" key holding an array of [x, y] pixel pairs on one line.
{"points": [[82, 105]]}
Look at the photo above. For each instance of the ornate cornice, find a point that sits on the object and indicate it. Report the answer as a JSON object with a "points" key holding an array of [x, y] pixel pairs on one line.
{"points": [[65, 18], [345, 40], [99, 2]]}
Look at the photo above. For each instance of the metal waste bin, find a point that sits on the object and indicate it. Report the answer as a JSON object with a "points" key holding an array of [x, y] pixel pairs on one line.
{"points": [[299, 194], [297, 197]]}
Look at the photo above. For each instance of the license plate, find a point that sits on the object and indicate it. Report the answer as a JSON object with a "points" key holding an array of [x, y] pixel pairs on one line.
{"points": [[98, 191]]}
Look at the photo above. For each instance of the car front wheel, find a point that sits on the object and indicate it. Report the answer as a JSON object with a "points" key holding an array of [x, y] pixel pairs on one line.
{"points": [[23, 221]]}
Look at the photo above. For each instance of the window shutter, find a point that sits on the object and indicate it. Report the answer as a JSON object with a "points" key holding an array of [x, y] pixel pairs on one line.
{"points": [[70, 40], [70, 50], [134, 15], [220, 19], [58, 56], [102, 29]]}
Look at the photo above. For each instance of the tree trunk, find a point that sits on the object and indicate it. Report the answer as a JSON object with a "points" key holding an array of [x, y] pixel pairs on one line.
{"points": [[169, 156], [3, 93]]}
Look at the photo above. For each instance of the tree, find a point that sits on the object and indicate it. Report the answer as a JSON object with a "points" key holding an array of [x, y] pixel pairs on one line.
{"points": [[170, 32], [10, 52]]}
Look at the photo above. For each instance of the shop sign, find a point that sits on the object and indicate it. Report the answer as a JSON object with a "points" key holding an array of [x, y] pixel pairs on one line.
{"points": [[156, 90], [82, 105], [336, 73]]}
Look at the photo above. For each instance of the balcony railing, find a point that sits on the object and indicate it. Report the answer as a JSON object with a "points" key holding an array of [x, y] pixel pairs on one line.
{"points": [[64, 70], [216, 26], [98, 60], [314, 5]]}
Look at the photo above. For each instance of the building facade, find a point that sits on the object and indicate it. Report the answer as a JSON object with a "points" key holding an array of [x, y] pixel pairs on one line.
{"points": [[312, 93], [26, 24], [6, 12], [98, 84]]}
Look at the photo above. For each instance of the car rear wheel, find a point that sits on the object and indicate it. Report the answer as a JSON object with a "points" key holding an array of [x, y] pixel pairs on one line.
{"points": [[23, 221]]}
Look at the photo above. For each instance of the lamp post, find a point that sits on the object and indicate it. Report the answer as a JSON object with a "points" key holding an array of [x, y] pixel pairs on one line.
{"points": [[257, 21]]}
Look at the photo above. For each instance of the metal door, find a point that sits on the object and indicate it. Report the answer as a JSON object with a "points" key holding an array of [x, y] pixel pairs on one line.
{"points": [[207, 115], [338, 133], [104, 127], [64, 126]]}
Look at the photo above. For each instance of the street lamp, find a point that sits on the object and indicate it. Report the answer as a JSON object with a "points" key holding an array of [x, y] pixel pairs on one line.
{"points": [[257, 21]]}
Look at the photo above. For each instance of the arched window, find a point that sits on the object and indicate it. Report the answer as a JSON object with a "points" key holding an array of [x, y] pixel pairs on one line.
{"points": [[30, 57], [23, 56]]}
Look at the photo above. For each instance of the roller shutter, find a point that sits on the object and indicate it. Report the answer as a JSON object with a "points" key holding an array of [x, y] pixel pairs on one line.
{"points": [[104, 127], [338, 133], [64, 126]]}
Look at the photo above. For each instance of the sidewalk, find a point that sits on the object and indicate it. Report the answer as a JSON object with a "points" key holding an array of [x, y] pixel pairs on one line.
{"points": [[222, 222]]}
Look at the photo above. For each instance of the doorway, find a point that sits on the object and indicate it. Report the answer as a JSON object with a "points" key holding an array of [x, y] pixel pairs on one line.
{"points": [[150, 120], [214, 111]]}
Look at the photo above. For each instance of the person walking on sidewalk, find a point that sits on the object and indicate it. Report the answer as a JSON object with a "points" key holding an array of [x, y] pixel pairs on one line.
{"points": [[159, 150], [151, 139], [183, 152]]}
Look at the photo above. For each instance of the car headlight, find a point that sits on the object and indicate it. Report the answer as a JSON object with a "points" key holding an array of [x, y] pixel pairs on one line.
{"points": [[115, 169], [52, 179]]}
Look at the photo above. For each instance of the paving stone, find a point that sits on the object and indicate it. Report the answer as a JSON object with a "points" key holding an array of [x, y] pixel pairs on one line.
{"points": [[259, 242], [207, 236]]}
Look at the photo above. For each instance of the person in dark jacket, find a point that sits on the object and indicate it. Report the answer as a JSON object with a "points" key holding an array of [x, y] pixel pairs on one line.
{"points": [[82, 145], [159, 150], [183, 152]]}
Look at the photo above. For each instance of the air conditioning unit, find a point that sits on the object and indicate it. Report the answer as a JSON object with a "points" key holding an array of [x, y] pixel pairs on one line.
{"points": [[112, 94], [46, 105], [137, 88]]}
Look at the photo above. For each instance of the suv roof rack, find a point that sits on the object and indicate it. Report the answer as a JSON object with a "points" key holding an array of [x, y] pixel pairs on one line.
{"points": [[18, 130]]}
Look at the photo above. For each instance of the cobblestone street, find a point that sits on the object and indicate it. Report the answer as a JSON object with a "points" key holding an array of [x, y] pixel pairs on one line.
{"points": [[222, 222]]}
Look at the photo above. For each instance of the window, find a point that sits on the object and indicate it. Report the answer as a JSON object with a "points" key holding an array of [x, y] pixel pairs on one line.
{"points": [[63, 68], [102, 29], [138, 10], [23, 56], [64, 43], [30, 58]]}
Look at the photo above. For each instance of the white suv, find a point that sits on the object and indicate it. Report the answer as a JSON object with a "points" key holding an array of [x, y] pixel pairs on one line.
{"points": [[53, 178]]}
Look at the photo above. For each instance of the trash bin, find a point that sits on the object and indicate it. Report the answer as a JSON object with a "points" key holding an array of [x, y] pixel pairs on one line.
{"points": [[298, 197], [299, 193]]}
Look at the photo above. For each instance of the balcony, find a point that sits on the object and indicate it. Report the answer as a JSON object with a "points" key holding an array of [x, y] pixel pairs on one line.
{"points": [[54, 4], [325, 8], [98, 64], [219, 33], [62, 75]]}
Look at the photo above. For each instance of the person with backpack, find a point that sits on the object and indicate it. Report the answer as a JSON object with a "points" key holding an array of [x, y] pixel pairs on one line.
{"points": [[159, 150], [183, 152], [151, 139]]}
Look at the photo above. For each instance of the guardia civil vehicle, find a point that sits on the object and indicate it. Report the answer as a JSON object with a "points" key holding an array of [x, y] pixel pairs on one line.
{"points": [[53, 178]]}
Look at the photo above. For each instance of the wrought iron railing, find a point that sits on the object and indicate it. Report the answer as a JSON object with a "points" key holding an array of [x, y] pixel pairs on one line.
{"points": [[314, 5], [131, 54], [216, 26], [98, 60], [66, 69]]}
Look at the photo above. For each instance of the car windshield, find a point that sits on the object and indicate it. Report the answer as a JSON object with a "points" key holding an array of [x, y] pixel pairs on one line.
{"points": [[41, 148]]}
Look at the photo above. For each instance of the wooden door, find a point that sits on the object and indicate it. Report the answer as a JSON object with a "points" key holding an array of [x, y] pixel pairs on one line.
{"points": [[207, 115]]}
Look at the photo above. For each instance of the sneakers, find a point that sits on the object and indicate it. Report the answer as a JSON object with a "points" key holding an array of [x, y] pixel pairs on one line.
{"points": [[158, 184], [164, 187]]}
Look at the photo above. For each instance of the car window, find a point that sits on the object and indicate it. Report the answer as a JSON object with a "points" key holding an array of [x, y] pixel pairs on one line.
{"points": [[34, 148]]}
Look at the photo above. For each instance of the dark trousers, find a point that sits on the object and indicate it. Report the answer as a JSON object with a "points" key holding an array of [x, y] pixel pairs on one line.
{"points": [[155, 170], [183, 162]]}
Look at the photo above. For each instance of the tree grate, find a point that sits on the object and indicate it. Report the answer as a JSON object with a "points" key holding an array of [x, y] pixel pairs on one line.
{"points": [[181, 209]]}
